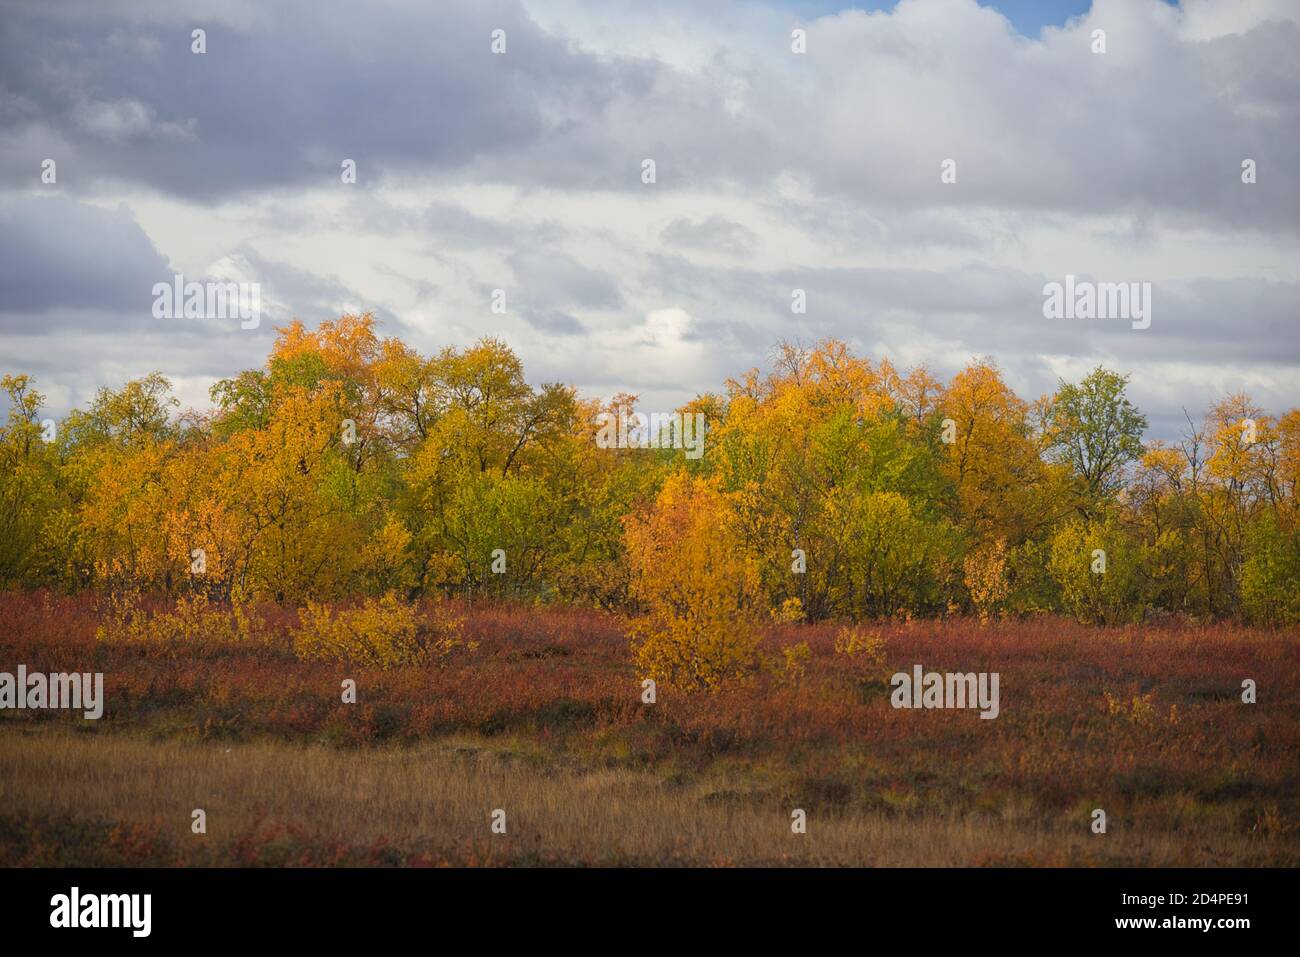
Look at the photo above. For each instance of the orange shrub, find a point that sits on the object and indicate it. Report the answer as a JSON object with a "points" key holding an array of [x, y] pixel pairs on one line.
{"points": [[700, 593]]}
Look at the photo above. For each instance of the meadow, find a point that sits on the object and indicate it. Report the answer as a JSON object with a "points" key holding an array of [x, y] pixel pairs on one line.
{"points": [[539, 711]]}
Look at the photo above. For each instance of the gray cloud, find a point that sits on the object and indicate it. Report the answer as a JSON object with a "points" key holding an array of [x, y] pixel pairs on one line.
{"points": [[716, 233], [553, 321], [57, 253], [394, 87], [72, 268], [775, 171], [556, 279], [1160, 122]]}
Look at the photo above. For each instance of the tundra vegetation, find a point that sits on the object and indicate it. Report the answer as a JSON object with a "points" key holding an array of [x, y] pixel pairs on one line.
{"points": [[501, 588]]}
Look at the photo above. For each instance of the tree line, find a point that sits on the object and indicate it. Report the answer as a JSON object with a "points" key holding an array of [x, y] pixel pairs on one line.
{"points": [[831, 486]]}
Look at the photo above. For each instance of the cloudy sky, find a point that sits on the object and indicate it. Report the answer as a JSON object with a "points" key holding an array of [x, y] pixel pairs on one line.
{"points": [[774, 171]]}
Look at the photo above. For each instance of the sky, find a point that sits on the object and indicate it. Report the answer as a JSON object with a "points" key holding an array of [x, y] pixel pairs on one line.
{"points": [[1027, 16], [821, 171]]}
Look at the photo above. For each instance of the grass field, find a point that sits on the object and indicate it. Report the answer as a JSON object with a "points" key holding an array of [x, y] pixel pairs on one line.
{"points": [[543, 719]]}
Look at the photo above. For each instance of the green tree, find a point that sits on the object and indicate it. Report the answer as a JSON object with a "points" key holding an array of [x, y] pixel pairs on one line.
{"points": [[1097, 431]]}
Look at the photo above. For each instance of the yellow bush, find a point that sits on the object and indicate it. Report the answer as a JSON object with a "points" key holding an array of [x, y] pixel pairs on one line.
{"points": [[791, 612], [863, 646], [796, 661], [986, 577], [193, 618], [700, 593], [382, 632], [1141, 710]]}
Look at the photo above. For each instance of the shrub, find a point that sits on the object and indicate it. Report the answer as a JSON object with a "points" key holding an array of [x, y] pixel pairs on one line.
{"points": [[1098, 568], [861, 646], [1033, 590], [985, 571], [700, 593], [1269, 575], [194, 618], [893, 557], [790, 612], [1140, 710], [795, 662], [382, 632]]}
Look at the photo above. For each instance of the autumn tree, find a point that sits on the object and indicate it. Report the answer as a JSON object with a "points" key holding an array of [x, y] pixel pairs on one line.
{"points": [[835, 486], [1004, 489], [698, 591], [812, 455], [30, 482]]}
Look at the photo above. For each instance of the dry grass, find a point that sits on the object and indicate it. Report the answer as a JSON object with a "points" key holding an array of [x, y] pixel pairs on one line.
{"points": [[277, 803]]}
